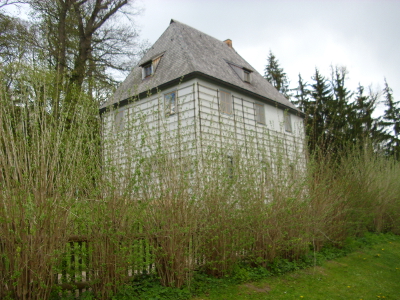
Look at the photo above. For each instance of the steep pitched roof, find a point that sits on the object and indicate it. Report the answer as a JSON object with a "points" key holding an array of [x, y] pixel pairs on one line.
{"points": [[187, 52]]}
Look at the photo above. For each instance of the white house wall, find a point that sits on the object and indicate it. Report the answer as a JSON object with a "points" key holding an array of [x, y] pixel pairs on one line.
{"points": [[145, 124], [241, 129], [198, 124]]}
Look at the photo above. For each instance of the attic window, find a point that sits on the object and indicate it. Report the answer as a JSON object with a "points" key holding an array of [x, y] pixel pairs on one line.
{"points": [[147, 70], [246, 75], [243, 73], [149, 67]]}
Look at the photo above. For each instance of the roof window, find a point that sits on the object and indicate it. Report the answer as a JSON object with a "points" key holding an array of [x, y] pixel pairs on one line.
{"points": [[246, 75], [147, 70], [243, 73], [150, 66]]}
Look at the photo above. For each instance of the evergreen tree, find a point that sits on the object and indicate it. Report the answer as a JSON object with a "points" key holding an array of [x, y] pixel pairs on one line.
{"points": [[302, 97], [391, 122], [318, 113], [276, 76], [363, 125], [339, 109]]}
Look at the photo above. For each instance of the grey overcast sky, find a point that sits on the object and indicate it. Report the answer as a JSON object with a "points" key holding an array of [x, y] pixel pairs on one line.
{"points": [[363, 35]]}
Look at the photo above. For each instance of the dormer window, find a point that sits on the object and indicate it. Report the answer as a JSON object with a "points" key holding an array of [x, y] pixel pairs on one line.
{"points": [[246, 75], [147, 70], [243, 73], [149, 67]]}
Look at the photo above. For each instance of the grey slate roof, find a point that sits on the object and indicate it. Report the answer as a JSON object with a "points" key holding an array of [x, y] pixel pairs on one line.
{"points": [[186, 51]]}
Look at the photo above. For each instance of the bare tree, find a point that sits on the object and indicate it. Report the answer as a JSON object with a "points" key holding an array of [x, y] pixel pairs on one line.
{"points": [[84, 41], [9, 2]]}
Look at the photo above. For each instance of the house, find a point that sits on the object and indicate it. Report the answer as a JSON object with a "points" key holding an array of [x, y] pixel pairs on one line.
{"points": [[196, 93]]}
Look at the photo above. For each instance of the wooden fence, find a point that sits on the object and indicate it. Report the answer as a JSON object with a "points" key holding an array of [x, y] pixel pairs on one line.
{"points": [[76, 273]]}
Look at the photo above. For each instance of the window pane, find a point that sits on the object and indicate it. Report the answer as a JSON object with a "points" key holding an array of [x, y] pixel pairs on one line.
{"points": [[170, 104], [148, 70]]}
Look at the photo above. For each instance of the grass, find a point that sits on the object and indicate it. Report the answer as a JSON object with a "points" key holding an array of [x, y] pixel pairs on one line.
{"points": [[370, 272]]}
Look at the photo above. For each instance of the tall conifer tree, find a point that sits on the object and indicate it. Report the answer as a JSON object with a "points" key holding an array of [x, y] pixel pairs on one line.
{"points": [[317, 127], [276, 76], [302, 97], [391, 122], [363, 125], [339, 109]]}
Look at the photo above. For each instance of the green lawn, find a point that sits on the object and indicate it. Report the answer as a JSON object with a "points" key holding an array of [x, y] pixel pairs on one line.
{"points": [[369, 273]]}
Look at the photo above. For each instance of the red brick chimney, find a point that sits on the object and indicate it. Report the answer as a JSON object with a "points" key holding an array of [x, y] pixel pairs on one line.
{"points": [[229, 43]]}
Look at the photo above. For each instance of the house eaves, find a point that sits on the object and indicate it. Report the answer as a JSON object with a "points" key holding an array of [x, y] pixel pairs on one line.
{"points": [[204, 77], [189, 53]]}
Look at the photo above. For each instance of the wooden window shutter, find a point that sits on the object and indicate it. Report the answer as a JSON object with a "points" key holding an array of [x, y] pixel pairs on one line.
{"points": [[260, 113], [225, 102]]}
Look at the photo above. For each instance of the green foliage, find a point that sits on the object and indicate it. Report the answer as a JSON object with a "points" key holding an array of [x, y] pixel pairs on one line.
{"points": [[163, 223], [149, 287], [391, 123], [364, 125], [276, 76], [336, 116], [42, 177]]}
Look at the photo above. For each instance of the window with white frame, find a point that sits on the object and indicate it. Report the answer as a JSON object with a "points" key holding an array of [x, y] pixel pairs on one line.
{"points": [[170, 103], [288, 122], [260, 113], [225, 102]]}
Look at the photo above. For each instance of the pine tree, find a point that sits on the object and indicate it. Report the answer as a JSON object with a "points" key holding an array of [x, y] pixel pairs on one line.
{"points": [[302, 97], [391, 122], [339, 109], [363, 125], [276, 76], [318, 113]]}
